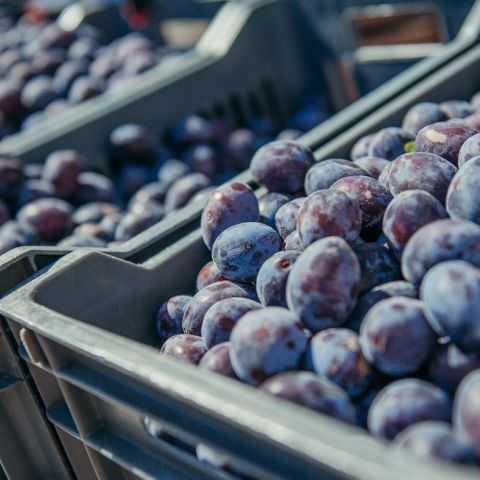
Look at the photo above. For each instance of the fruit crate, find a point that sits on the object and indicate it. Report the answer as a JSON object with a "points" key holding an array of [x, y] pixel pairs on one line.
{"points": [[206, 79], [233, 32], [374, 55], [212, 79], [112, 378]]}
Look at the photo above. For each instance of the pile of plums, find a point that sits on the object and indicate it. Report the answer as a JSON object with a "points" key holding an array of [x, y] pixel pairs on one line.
{"points": [[45, 70], [62, 202], [352, 287]]}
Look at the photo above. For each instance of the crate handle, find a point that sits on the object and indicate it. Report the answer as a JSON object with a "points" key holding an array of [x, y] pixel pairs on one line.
{"points": [[32, 347]]}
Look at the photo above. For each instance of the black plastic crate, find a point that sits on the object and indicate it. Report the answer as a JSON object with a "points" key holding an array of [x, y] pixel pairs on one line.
{"points": [[99, 343]]}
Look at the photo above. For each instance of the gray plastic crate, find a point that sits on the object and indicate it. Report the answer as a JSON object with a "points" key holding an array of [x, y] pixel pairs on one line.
{"points": [[283, 58], [282, 63], [31, 397], [230, 41], [99, 343]]}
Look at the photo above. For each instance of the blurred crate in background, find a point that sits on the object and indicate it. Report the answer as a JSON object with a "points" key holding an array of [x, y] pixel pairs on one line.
{"points": [[333, 16], [390, 25], [117, 17], [376, 40]]}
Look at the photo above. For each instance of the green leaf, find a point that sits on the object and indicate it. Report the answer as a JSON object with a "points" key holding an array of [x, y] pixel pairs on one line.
{"points": [[410, 147]]}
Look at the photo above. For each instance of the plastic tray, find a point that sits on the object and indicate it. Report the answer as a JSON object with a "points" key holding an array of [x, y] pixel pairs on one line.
{"points": [[98, 342]]}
